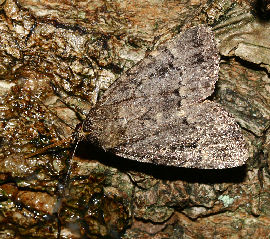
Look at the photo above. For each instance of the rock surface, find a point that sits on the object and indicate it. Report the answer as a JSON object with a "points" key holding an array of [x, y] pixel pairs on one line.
{"points": [[57, 58]]}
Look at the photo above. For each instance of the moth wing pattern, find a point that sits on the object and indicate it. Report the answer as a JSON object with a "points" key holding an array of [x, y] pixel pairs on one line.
{"points": [[157, 111]]}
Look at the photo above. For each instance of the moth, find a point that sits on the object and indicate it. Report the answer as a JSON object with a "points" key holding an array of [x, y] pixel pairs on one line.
{"points": [[158, 111]]}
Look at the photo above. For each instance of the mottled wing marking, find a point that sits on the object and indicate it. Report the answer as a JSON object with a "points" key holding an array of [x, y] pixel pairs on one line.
{"points": [[157, 111]]}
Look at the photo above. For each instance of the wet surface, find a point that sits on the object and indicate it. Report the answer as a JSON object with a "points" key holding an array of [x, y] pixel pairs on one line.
{"points": [[56, 62]]}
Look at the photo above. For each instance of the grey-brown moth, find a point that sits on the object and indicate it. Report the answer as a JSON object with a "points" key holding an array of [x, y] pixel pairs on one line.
{"points": [[158, 112]]}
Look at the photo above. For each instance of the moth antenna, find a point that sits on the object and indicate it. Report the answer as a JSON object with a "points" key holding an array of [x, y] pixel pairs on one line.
{"points": [[41, 151], [53, 113], [59, 142], [76, 138], [262, 165], [77, 141]]}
